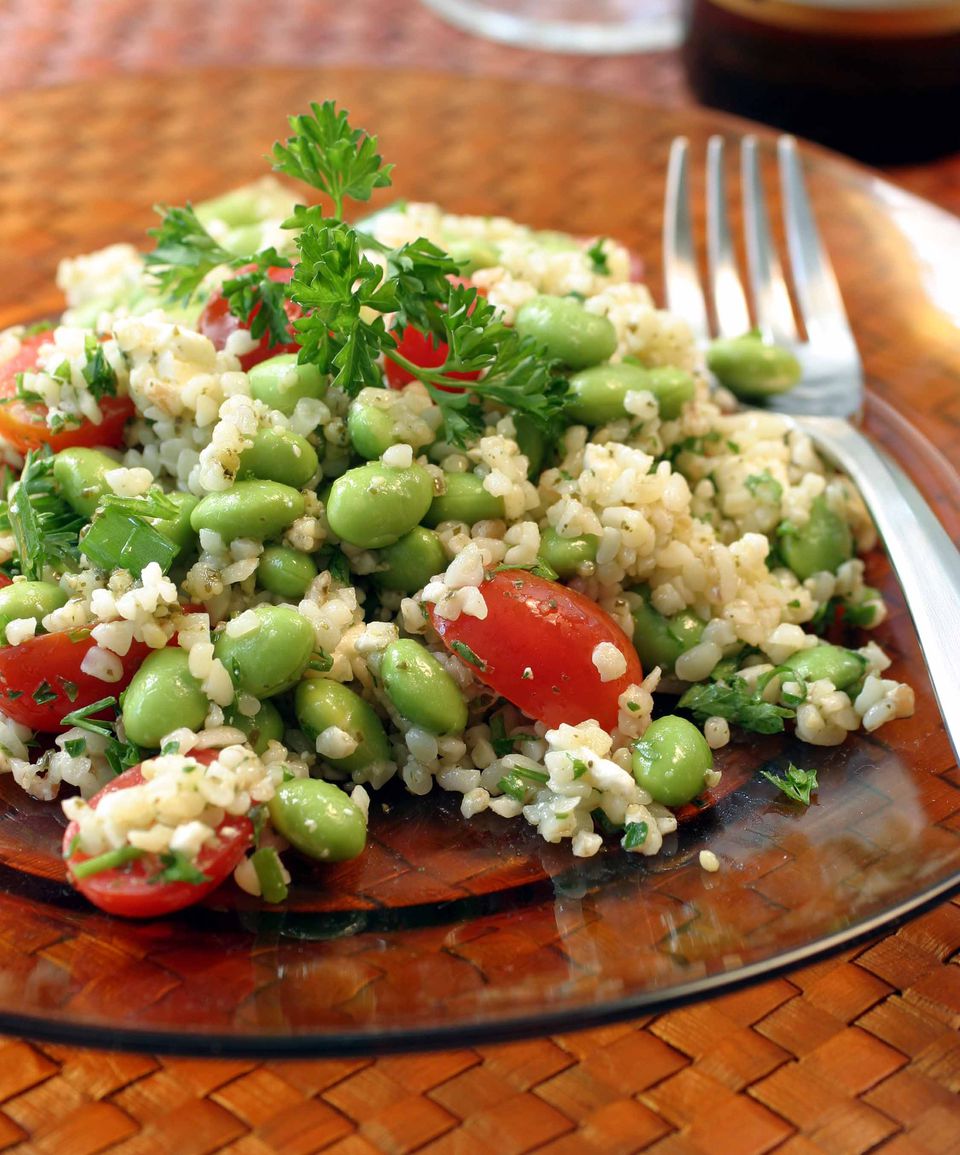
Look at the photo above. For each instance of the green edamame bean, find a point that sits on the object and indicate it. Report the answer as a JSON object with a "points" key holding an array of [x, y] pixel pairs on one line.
{"points": [[752, 367], [660, 640], [411, 562], [597, 395], [565, 555], [671, 761], [319, 819], [272, 655], [555, 241], [532, 443], [28, 600], [248, 205], [472, 253], [281, 381], [162, 696], [373, 505], [567, 331], [285, 571], [261, 729], [843, 667], [255, 509], [178, 529], [80, 475], [372, 429], [279, 455], [320, 703], [421, 689], [824, 542], [464, 499], [673, 388]]}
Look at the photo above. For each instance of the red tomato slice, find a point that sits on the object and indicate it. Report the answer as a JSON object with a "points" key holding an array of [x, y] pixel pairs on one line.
{"points": [[5, 581], [218, 323], [424, 350], [543, 626], [128, 890], [23, 425], [50, 664]]}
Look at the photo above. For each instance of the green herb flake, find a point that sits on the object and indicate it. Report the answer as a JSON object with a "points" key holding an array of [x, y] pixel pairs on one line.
{"points": [[736, 702], [177, 867], [75, 747], [44, 693], [119, 540], [501, 742], [598, 258], [71, 689], [579, 767], [464, 651], [634, 835], [797, 784]]}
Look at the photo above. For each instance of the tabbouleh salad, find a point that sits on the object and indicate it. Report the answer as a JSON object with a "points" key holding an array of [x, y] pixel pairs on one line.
{"points": [[296, 507]]}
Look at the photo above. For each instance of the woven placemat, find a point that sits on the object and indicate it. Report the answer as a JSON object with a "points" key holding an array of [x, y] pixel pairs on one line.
{"points": [[858, 1054]]}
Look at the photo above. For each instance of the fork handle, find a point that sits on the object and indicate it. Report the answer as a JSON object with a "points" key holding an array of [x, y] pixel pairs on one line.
{"points": [[921, 553]]}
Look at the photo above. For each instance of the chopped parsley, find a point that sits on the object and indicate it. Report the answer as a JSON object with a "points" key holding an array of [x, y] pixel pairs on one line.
{"points": [[634, 835], [44, 693], [519, 780], [464, 651], [99, 374], [177, 867], [598, 258], [764, 487], [502, 743], [44, 527], [797, 784], [120, 755], [737, 702]]}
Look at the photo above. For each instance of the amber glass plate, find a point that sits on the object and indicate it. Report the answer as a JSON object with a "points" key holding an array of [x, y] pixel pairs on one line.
{"points": [[448, 931]]}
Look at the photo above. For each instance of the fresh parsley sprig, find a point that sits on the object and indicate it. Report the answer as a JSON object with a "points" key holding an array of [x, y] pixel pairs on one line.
{"points": [[44, 527], [120, 755], [328, 154], [797, 784], [185, 253], [339, 287], [252, 286], [738, 702]]}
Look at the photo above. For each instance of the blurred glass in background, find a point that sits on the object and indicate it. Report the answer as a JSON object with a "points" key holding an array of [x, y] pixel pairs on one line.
{"points": [[587, 26], [876, 79]]}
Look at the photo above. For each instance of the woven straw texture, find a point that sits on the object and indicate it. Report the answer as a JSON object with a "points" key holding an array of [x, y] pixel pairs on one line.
{"points": [[857, 1054]]}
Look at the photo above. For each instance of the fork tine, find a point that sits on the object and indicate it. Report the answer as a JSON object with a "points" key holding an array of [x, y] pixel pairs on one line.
{"points": [[681, 279], [771, 298], [729, 299], [818, 295]]}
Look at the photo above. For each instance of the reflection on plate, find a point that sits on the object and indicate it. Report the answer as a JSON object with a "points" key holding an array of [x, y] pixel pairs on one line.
{"points": [[448, 931]]}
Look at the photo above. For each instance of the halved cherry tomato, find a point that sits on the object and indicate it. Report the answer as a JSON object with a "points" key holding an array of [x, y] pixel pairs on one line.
{"points": [[544, 627], [49, 664], [5, 581], [218, 323], [425, 350], [130, 890], [23, 423]]}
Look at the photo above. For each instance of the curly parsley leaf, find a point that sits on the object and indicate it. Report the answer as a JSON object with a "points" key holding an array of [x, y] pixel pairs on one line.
{"points": [[328, 154], [99, 374], [339, 286], [797, 784], [184, 254], [259, 300], [44, 527], [738, 703]]}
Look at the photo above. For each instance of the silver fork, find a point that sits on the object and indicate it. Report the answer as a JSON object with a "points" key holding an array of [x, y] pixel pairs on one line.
{"points": [[922, 554]]}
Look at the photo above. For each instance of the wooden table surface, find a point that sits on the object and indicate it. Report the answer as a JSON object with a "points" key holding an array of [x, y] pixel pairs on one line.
{"points": [[859, 1053]]}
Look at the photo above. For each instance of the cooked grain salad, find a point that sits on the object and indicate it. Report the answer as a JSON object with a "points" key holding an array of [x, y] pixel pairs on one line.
{"points": [[297, 508]]}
